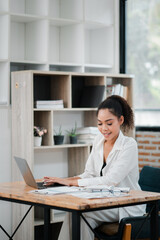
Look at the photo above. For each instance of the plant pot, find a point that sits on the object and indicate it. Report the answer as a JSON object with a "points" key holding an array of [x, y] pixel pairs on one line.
{"points": [[58, 139], [73, 139], [37, 141]]}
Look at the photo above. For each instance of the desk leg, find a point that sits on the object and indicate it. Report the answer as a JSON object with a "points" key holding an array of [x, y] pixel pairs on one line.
{"points": [[46, 223], [76, 226], [154, 222]]}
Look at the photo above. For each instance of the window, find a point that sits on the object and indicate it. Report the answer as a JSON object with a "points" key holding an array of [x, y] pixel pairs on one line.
{"points": [[143, 58]]}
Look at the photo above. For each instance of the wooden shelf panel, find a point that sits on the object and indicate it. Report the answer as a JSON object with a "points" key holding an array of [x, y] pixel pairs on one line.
{"points": [[67, 109], [62, 146]]}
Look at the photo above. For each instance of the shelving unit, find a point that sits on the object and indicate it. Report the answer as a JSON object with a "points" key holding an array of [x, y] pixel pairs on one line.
{"points": [[57, 35], [29, 86]]}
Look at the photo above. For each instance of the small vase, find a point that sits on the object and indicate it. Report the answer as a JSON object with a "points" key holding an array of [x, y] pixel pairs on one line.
{"points": [[37, 141], [73, 139], [58, 139]]}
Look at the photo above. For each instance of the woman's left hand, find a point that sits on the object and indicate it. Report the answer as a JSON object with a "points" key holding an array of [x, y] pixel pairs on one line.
{"points": [[48, 181]]}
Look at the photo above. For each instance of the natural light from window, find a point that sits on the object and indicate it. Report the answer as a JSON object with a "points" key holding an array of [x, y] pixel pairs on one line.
{"points": [[143, 58]]}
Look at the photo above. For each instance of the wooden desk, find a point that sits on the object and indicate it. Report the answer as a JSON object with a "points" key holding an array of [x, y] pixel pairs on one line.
{"points": [[18, 192]]}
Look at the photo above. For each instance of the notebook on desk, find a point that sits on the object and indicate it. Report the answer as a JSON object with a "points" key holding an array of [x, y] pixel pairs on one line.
{"points": [[28, 176]]}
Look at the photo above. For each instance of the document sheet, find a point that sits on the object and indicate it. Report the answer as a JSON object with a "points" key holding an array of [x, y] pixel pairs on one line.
{"points": [[96, 191]]}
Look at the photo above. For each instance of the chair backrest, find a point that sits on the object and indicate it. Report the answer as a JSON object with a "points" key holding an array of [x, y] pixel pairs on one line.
{"points": [[150, 179]]}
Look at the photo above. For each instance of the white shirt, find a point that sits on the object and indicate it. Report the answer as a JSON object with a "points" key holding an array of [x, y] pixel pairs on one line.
{"points": [[121, 168]]}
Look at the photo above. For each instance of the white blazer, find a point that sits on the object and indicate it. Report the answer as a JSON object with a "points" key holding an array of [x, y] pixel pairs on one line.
{"points": [[121, 169]]}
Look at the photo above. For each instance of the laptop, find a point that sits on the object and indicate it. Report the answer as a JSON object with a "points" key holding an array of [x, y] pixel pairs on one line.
{"points": [[28, 176]]}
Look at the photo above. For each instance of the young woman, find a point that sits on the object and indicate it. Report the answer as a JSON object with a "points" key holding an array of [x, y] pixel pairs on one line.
{"points": [[113, 161]]}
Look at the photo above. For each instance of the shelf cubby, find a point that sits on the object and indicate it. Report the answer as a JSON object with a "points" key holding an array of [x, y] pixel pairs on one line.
{"points": [[79, 89], [97, 42], [126, 81], [32, 7], [52, 87], [29, 41], [100, 13], [44, 119], [66, 9], [66, 44]]}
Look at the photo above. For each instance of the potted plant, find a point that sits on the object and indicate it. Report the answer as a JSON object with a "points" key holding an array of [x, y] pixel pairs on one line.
{"points": [[38, 133], [72, 134], [58, 137]]}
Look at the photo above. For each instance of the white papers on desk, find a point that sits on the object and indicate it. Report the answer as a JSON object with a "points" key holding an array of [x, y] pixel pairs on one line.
{"points": [[104, 188], [102, 191], [96, 191], [57, 190], [91, 195]]}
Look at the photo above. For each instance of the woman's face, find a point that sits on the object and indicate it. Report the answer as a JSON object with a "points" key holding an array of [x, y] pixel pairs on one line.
{"points": [[109, 124]]}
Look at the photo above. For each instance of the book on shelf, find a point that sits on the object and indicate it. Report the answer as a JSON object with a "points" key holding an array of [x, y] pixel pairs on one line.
{"points": [[86, 134], [87, 130], [117, 89], [51, 104]]}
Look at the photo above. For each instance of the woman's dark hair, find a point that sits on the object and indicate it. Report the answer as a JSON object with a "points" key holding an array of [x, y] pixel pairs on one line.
{"points": [[118, 106]]}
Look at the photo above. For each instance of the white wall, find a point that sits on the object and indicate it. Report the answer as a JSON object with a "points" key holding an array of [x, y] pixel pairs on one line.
{"points": [[5, 167]]}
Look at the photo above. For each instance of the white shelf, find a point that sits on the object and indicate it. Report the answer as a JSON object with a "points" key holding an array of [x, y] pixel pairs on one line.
{"points": [[91, 25], [59, 35], [21, 65], [33, 7], [27, 62], [59, 22], [68, 9], [65, 64], [24, 18], [98, 66]]}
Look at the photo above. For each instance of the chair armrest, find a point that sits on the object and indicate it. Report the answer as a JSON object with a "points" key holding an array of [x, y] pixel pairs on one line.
{"points": [[136, 223]]}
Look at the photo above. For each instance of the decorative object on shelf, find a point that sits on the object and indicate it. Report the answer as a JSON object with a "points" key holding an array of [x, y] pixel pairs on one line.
{"points": [[38, 133], [37, 141], [58, 137], [72, 134]]}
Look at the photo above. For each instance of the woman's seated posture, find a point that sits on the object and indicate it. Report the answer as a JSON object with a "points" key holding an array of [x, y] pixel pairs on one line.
{"points": [[112, 161]]}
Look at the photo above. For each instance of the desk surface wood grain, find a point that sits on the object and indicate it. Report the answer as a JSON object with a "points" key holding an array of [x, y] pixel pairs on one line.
{"points": [[21, 192]]}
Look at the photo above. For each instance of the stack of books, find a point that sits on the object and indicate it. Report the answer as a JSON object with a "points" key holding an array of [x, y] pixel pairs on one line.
{"points": [[86, 134], [49, 104], [117, 89]]}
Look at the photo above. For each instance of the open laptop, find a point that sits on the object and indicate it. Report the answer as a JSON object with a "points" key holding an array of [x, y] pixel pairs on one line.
{"points": [[28, 176]]}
